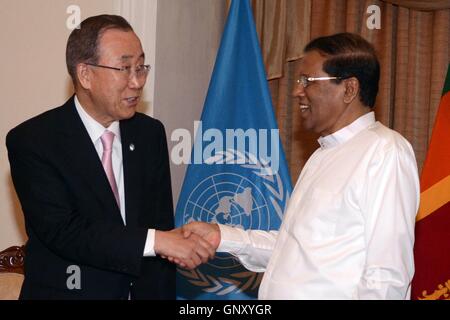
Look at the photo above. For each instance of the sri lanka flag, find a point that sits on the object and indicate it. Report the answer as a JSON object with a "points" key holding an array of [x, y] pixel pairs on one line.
{"points": [[432, 248]]}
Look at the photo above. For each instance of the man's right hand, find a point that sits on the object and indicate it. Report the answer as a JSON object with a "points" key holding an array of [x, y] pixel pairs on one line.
{"points": [[209, 232], [188, 252]]}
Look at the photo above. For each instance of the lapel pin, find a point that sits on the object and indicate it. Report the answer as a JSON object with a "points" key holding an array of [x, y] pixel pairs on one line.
{"points": [[131, 147]]}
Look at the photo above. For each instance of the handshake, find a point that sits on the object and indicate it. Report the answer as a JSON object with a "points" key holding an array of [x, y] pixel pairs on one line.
{"points": [[190, 245]]}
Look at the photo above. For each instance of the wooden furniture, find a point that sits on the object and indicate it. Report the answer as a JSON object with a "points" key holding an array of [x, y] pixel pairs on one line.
{"points": [[11, 272]]}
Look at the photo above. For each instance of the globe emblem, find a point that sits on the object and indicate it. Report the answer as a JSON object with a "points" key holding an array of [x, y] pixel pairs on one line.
{"points": [[228, 198]]}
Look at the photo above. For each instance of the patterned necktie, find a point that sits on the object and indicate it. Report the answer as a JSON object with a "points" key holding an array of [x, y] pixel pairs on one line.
{"points": [[107, 141]]}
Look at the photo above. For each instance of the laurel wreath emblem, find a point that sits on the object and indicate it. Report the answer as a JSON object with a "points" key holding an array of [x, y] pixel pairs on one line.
{"points": [[239, 282], [247, 280]]}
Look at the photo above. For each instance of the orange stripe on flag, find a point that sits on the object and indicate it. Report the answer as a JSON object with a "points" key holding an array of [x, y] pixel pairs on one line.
{"points": [[434, 197]]}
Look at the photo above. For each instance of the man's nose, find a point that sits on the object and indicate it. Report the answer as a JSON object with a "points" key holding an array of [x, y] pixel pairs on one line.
{"points": [[299, 90], [136, 82]]}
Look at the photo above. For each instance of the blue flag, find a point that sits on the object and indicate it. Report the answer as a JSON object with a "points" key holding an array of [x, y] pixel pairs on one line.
{"points": [[238, 174]]}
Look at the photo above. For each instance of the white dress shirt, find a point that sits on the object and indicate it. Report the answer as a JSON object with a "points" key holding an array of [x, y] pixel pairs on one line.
{"points": [[348, 230], [95, 131]]}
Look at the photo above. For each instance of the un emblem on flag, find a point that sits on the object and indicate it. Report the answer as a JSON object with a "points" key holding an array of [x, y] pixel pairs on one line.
{"points": [[240, 196], [228, 198]]}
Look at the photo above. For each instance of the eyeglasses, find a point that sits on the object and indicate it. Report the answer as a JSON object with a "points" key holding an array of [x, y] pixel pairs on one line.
{"points": [[305, 81], [140, 71]]}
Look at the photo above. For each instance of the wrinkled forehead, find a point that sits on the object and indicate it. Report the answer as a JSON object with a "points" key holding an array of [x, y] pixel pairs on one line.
{"points": [[119, 45]]}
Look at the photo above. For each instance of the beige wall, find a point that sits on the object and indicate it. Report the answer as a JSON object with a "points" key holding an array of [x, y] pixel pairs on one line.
{"points": [[188, 36], [33, 74], [33, 78]]}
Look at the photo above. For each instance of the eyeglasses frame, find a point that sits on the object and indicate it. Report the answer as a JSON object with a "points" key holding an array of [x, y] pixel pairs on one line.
{"points": [[147, 68]]}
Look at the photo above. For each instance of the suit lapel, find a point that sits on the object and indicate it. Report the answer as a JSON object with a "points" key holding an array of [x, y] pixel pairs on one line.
{"points": [[132, 151], [80, 154]]}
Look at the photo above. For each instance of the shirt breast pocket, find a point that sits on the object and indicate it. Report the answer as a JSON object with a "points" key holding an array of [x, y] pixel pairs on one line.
{"points": [[317, 218]]}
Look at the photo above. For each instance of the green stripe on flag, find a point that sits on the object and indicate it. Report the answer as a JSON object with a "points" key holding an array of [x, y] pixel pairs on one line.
{"points": [[447, 82]]}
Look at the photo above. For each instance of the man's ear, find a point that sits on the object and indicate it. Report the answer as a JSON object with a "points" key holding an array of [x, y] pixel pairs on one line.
{"points": [[351, 89], [84, 75]]}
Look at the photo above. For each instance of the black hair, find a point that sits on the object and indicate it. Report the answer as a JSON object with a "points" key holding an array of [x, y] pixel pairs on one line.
{"points": [[83, 42], [350, 55]]}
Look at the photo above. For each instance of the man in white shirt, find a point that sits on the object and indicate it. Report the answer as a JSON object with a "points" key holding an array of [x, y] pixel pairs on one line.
{"points": [[348, 230]]}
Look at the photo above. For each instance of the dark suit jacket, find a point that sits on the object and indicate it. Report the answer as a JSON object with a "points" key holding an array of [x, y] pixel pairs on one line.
{"points": [[71, 215]]}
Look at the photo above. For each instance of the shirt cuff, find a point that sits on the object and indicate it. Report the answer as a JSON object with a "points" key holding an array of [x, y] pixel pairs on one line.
{"points": [[232, 239], [149, 249]]}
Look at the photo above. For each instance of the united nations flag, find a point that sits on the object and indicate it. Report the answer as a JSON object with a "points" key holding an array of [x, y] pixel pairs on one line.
{"points": [[238, 174]]}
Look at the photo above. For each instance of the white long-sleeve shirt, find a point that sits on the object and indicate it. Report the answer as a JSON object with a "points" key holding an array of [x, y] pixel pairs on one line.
{"points": [[348, 230]]}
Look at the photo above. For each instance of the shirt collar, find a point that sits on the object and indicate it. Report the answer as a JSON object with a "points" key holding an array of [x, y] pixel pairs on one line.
{"points": [[94, 128], [347, 132]]}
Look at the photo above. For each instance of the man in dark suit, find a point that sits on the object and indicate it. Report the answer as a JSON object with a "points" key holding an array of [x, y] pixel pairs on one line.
{"points": [[93, 180]]}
